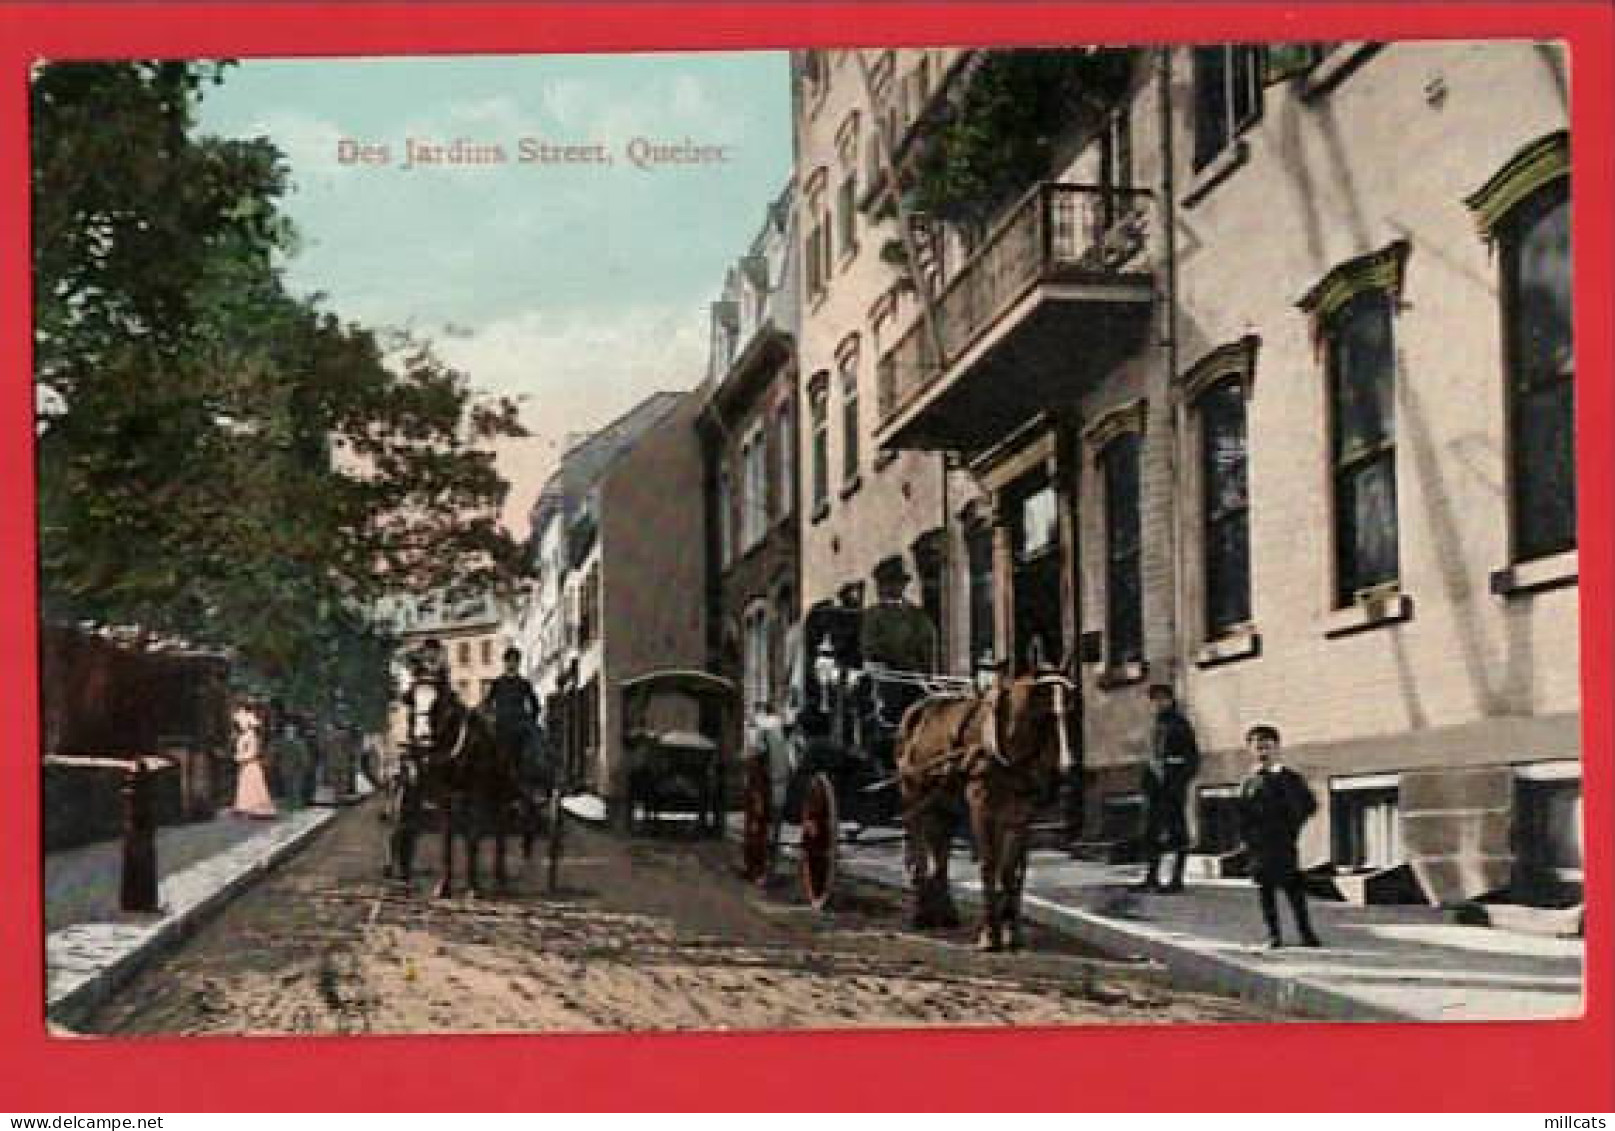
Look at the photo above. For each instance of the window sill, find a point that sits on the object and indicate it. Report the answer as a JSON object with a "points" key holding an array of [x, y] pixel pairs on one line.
{"points": [[1372, 612], [850, 488], [885, 458], [1217, 170], [1525, 578], [1332, 71], [820, 512], [1123, 675], [1239, 644]]}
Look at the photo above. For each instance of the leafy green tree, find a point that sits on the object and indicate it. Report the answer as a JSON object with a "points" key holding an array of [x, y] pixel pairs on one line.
{"points": [[219, 458]]}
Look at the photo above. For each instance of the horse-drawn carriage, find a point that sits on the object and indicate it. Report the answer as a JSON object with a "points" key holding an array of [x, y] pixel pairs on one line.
{"points": [[453, 772], [830, 759], [675, 724]]}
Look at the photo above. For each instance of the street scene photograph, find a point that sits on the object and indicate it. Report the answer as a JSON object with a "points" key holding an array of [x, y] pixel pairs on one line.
{"points": [[807, 539]]}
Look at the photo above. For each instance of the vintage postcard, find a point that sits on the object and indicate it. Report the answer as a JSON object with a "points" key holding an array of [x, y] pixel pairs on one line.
{"points": [[828, 537]]}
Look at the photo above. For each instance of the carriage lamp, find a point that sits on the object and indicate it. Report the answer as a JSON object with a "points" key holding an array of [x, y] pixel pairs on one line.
{"points": [[825, 669]]}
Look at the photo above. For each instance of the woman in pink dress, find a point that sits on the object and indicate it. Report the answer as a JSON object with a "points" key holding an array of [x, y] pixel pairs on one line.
{"points": [[252, 784]]}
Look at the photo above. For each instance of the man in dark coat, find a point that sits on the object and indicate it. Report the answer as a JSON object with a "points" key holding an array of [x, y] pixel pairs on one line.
{"points": [[1173, 762], [515, 710], [1274, 803]]}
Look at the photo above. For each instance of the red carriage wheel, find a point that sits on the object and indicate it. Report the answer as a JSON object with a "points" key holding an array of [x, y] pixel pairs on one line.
{"points": [[821, 838], [756, 814]]}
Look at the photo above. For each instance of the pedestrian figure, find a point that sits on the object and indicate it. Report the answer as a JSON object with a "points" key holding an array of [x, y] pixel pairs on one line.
{"points": [[1173, 762], [514, 707], [1274, 803], [252, 784]]}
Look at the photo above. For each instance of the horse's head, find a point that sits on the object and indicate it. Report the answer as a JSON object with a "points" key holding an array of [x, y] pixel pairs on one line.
{"points": [[1031, 716]]}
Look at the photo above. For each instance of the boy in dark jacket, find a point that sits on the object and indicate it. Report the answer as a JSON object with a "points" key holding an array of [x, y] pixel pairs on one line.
{"points": [[1174, 761], [1274, 803]]}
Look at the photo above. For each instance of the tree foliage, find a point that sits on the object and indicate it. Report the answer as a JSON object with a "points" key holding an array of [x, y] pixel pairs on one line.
{"points": [[999, 136], [220, 458]]}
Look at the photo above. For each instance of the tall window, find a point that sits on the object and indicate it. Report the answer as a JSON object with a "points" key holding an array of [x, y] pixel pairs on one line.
{"points": [[1124, 592], [1225, 507], [819, 405], [979, 550], [1227, 96], [1362, 390], [1535, 253], [816, 250], [847, 192], [726, 543], [785, 445], [753, 488], [848, 365], [755, 660]]}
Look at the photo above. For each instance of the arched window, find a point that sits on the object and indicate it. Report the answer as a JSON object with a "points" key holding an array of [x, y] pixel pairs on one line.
{"points": [[1352, 311], [819, 408], [1534, 241], [1524, 210]]}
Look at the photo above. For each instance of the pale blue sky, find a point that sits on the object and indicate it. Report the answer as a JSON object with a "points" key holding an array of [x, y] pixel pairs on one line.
{"points": [[579, 288]]}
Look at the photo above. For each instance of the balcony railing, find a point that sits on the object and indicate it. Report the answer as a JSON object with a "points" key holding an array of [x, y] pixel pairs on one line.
{"points": [[1057, 233]]}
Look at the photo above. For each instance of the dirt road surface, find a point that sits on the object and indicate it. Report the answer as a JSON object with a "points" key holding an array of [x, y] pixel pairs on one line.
{"points": [[645, 934]]}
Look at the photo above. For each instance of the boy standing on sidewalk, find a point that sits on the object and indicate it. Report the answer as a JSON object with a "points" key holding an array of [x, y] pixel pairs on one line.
{"points": [[1274, 804], [1174, 761]]}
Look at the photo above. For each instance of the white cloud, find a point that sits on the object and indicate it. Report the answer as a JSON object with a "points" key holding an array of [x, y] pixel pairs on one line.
{"points": [[573, 371], [310, 143]]}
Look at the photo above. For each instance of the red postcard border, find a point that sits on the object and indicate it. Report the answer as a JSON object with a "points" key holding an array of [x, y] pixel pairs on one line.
{"points": [[1556, 1066]]}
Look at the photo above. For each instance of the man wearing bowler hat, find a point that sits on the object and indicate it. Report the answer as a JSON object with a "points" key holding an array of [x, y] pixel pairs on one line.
{"points": [[896, 633]]}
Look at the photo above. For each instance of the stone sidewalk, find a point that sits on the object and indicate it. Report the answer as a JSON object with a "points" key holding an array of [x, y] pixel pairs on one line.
{"points": [[1384, 963], [92, 948]]}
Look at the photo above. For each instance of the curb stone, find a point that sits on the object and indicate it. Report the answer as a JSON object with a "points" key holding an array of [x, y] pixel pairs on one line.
{"points": [[1194, 967], [86, 963]]}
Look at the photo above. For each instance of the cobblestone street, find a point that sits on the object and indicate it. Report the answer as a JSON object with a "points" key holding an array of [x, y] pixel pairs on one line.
{"points": [[645, 934]]}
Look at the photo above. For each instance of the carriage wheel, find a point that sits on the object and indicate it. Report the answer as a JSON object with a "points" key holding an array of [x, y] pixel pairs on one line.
{"points": [[755, 849], [556, 817], [821, 837]]}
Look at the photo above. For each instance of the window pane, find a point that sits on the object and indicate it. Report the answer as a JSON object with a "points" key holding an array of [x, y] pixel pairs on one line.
{"points": [[1544, 470], [1363, 371], [1222, 422], [1124, 612], [1225, 499], [821, 463], [1228, 590], [1247, 84], [1210, 102], [1542, 295], [1121, 495], [849, 445], [1037, 523], [1366, 501], [1123, 587]]}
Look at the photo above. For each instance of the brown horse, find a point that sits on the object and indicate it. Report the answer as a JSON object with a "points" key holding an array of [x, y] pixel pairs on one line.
{"points": [[455, 764], [999, 754]]}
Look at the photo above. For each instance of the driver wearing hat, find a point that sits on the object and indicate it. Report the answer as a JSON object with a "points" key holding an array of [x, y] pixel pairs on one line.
{"points": [[895, 632]]}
